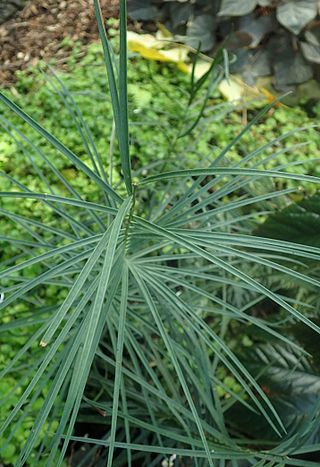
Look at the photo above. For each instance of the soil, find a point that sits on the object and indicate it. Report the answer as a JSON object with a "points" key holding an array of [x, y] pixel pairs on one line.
{"points": [[37, 31]]}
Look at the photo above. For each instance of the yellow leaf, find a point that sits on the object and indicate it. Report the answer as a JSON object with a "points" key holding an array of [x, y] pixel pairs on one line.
{"points": [[149, 53], [200, 69], [147, 40], [154, 49], [183, 67], [234, 89], [176, 54], [163, 32], [231, 90]]}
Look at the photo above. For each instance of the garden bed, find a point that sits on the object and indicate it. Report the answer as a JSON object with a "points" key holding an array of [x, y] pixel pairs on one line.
{"points": [[37, 32]]}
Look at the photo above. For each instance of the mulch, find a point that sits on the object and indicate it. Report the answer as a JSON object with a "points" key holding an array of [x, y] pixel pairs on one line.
{"points": [[37, 31]]}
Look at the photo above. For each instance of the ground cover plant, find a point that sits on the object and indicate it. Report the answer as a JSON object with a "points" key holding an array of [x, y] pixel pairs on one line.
{"points": [[157, 279]]}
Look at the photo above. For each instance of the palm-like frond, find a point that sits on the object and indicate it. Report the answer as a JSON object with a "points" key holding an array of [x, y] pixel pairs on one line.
{"points": [[139, 346]]}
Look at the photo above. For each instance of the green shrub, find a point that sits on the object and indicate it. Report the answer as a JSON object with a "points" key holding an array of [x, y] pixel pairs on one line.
{"points": [[141, 290], [279, 38], [157, 99]]}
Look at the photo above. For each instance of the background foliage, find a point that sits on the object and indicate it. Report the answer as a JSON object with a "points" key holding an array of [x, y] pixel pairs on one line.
{"points": [[267, 37], [171, 277]]}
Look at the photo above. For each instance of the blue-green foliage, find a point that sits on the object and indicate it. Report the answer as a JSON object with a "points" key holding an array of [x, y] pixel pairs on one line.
{"points": [[158, 99]]}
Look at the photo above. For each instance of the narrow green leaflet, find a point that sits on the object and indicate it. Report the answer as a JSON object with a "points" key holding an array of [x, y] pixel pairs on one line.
{"points": [[59, 146], [119, 95]]}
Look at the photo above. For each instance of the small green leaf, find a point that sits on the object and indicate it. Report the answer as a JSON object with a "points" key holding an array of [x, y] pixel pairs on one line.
{"points": [[8, 452]]}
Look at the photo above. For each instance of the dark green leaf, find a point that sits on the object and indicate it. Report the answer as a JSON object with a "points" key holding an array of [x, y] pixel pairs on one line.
{"points": [[291, 69], [201, 30], [293, 387], [299, 222], [257, 27], [142, 10], [180, 13]]}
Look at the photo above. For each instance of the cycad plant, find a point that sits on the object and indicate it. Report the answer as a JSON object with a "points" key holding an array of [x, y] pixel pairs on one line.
{"points": [[139, 357]]}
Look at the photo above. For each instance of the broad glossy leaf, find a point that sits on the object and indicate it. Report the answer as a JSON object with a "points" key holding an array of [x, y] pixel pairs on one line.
{"points": [[236, 8], [296, 14], [291, 69], [257, 26], [292, 385], [180, 13], [313, 36], [201, 30], [309, 341], [252, 64], [311, 52], [142, 10], [299, 222]]}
